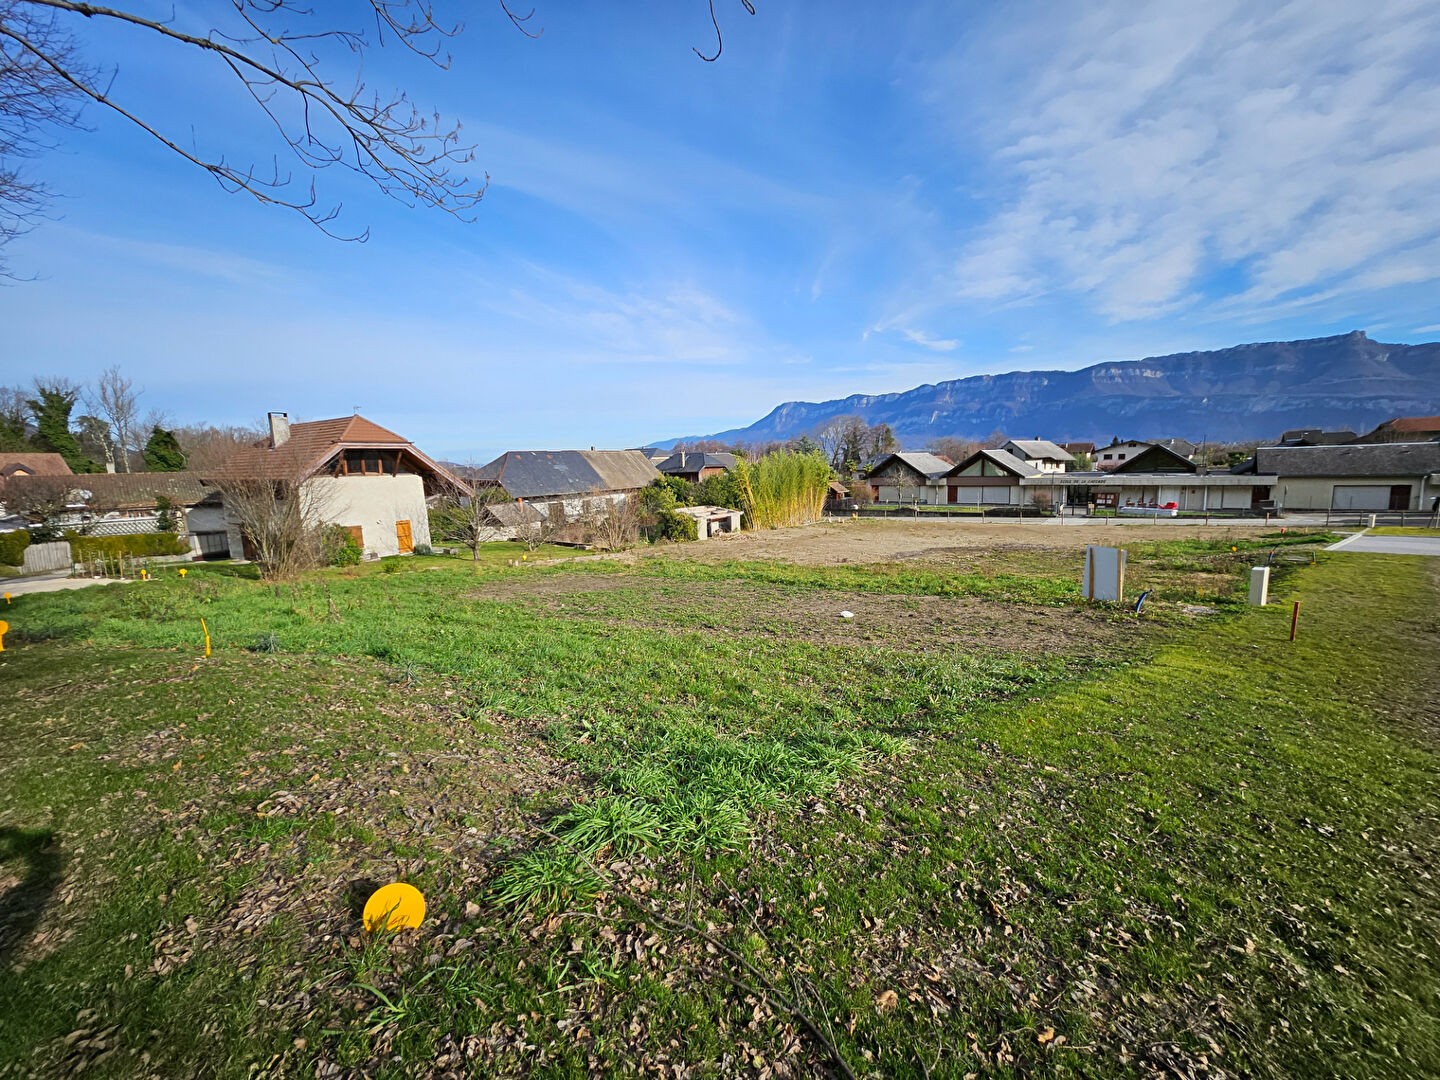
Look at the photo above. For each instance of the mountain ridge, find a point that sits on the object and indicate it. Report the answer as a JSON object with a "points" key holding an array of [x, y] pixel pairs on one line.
{"points": [[1254, 390]]}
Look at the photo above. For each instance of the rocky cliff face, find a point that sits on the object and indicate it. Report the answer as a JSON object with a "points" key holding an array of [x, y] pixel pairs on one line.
{"points": [[1247, 392]]}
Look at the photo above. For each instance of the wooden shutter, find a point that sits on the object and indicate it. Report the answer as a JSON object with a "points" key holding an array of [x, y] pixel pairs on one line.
{"points": [[402, 533]]}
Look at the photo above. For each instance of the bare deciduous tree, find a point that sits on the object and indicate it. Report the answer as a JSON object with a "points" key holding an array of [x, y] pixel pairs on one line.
{"points": [[280, 512], [952, 448], [14, 419], [35, 100], [532, 531], [612, 525], [207, 447], [96, 439], [116, 401], [40, 500], [469, 518]]}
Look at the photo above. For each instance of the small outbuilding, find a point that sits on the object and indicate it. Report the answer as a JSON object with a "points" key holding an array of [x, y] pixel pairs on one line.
{"points": [[711, 520]]}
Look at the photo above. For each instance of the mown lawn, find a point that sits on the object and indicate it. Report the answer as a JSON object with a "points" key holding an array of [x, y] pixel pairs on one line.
{"points": [[694, 842], [1403, 530]]}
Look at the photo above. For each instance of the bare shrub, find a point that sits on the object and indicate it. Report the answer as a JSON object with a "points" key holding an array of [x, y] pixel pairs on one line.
{"points": [[280, 508], [613, 525]]}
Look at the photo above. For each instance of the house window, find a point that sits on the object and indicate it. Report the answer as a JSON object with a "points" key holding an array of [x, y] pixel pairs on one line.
{"points": [[1109, 457]]}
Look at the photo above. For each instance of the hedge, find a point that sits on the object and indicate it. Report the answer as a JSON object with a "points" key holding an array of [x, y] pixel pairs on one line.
{"points": [[136, 544], [12, 547]]}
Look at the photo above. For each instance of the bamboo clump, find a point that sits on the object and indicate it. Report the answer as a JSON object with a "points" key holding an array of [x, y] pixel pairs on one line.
{"points": [[782, 489]]}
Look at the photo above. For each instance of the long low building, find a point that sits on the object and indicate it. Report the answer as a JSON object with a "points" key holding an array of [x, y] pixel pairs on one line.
{"points": [[1367, 476], [1378, 477]]}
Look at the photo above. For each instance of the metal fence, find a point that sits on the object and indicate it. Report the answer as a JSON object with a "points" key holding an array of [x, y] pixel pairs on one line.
{"points": [[40, 558], [1362, 519], [1356, 519]]}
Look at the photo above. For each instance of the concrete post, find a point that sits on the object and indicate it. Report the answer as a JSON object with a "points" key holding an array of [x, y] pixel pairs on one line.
{"points": [[1260, 585]]}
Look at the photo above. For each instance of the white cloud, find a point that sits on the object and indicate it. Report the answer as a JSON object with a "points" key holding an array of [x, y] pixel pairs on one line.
{"points": [[916, 337], [1176, 150], [675, 323], [927, 341], [1427, 329]]}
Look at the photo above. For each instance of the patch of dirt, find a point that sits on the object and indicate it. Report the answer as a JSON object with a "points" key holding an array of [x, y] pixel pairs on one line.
{"points": [[879, 540], [917, 623]]}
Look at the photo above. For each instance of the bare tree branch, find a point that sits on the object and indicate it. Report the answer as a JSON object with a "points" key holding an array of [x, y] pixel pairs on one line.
{"points": [[719, 40], [409, 156], [284, 56], [521, 20]]}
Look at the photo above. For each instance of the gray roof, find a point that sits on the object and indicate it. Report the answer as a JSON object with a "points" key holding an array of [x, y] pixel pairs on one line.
{"points": [[512, 514], [928, 465], [1365, 459], [1040, 450], [1317, 437], [543, 474], [1181, 446], [1006, 460], [694, 461]]}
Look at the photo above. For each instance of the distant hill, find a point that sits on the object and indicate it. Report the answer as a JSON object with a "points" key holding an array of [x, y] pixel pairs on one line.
{"points": [[1247, 392]]}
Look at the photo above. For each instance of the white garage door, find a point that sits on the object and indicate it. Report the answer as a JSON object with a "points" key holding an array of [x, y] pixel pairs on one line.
{"points": [[1360, 497]]}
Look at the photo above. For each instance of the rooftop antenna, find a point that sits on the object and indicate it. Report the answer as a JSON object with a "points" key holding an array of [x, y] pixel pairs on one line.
{"points": [[356, 408]]}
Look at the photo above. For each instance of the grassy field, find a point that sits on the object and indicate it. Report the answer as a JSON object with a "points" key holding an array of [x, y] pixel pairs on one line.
{"points": [[1405, 530], [680, 818]]}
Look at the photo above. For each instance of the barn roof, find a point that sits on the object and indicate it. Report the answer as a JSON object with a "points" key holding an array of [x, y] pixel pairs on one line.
{"points": [[541, 474]]}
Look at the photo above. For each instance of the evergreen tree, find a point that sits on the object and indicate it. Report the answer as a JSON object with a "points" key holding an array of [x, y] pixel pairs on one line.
{"points": [[13, 437], [163, 453], [166, 520], [51, 411]]}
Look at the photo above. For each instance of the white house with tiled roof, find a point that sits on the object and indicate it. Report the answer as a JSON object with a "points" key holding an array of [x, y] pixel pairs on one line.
{"points": [[358, 475]]}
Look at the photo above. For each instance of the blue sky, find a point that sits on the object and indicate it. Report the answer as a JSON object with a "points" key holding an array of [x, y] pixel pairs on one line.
{"points": [[850, 201]]}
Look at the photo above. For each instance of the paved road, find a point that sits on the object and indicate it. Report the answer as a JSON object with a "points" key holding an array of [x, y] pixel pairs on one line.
{"points": [[21, 586], [1390, 545]]}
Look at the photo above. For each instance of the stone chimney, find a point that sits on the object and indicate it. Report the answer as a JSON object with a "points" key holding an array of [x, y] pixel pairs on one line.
{"points": [[279, 429]]}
